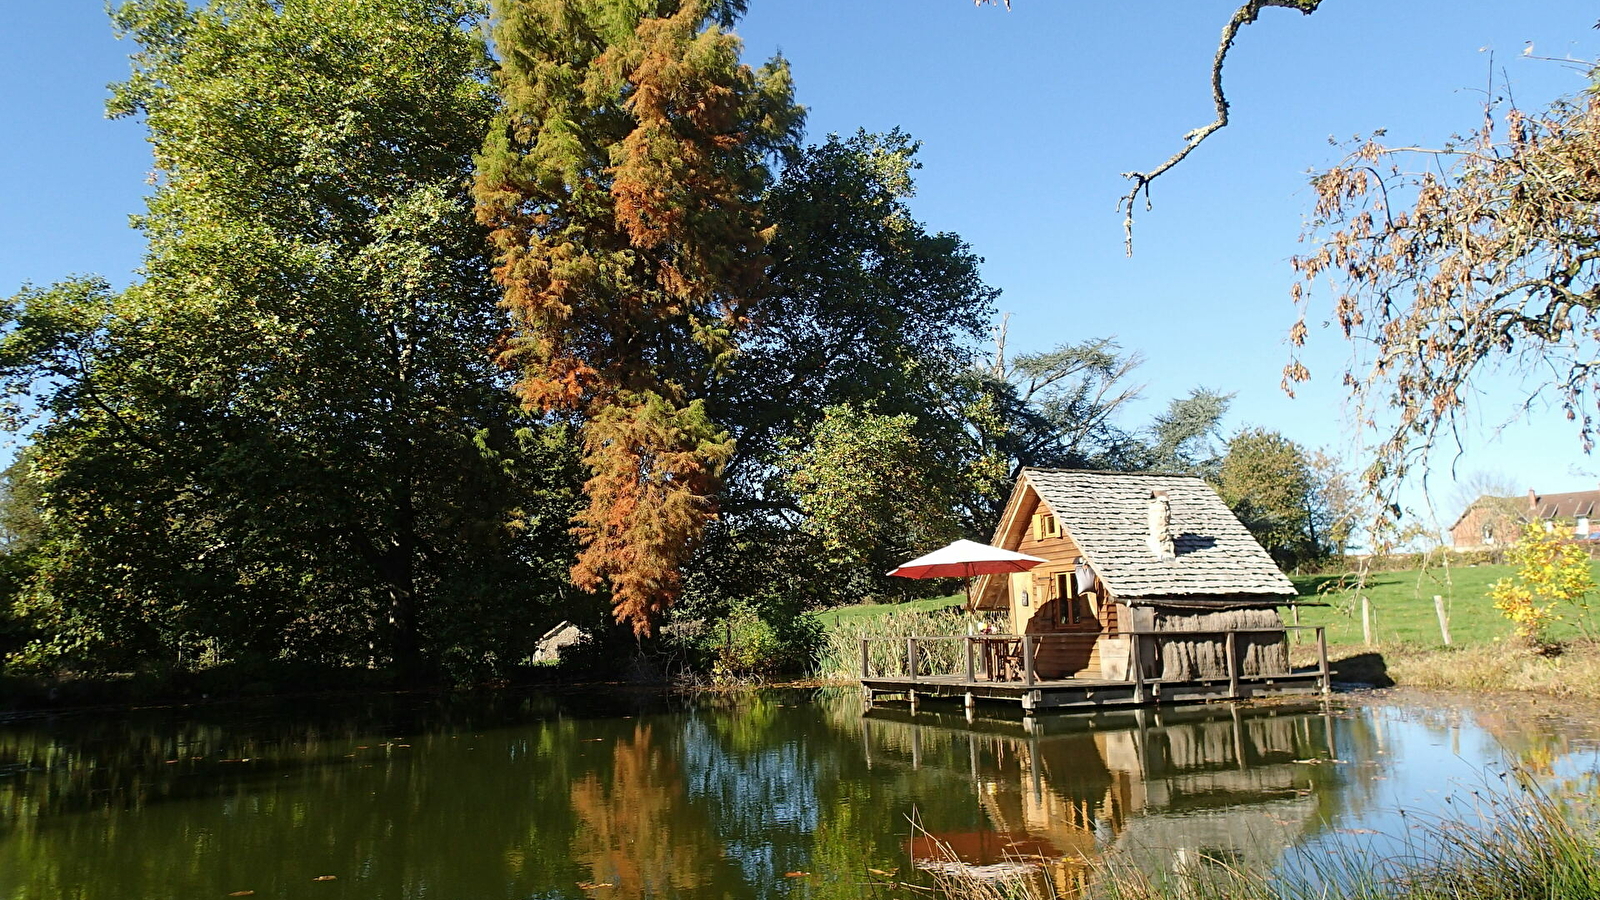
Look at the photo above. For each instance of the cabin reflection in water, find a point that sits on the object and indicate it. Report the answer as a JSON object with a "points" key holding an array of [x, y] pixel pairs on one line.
{"points": [[1166, 791]]}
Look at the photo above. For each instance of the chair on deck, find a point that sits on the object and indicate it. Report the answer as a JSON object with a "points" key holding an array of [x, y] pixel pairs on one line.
{"points": [[1002, 659]]}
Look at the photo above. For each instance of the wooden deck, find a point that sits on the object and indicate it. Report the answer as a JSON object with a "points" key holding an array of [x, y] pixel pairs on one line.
{"points": [[918, 674]]}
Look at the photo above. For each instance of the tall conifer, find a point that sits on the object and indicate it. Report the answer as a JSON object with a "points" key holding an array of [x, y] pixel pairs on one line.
{"points": [[622, 181]]}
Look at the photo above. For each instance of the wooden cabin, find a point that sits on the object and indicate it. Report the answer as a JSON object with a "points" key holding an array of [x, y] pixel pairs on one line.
{"points": [[1136, 552]]}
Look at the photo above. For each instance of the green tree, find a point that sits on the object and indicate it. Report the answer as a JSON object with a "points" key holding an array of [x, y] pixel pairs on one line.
{"points": [[1059, 408], [21, 525], [1267, 480], [1062, 409], [864, 306], [623, 181], [869, 315], [21, 530], [288, 441], [872, 488], [1181, 438]]}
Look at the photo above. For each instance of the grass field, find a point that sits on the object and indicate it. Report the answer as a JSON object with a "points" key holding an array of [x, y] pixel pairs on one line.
{"points": [[1402, 606], [1403, 611], [829, 617]]}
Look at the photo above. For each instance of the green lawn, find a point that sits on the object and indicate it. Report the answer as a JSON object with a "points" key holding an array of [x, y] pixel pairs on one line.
{"points": [[1402, 604], [829, 616]]}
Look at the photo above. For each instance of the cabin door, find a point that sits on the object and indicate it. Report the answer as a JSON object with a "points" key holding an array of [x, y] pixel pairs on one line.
{"points": [[1070, 610]]}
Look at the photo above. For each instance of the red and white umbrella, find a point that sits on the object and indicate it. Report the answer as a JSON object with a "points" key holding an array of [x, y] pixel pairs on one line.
{"points": [[965, 559]]}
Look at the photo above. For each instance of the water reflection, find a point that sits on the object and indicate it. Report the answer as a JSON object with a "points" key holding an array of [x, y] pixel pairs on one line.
{"points": [[644, 795], [1219, 783]]}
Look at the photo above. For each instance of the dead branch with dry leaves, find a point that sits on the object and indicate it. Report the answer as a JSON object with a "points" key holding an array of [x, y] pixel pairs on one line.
{"points": [[1444, 263]]}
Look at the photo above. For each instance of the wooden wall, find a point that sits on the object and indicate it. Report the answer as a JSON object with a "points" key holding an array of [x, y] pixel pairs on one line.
{"points": [[1045, 612]]}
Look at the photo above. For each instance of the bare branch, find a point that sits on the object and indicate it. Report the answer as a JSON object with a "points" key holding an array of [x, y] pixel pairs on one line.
{"points": [[1243, 16]]}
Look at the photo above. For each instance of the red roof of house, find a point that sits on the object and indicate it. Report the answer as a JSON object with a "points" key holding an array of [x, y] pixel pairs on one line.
{"points": [[1565, 506]]}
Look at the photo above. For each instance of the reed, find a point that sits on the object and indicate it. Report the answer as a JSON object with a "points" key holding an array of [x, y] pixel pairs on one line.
{"points": [[839, 657]]}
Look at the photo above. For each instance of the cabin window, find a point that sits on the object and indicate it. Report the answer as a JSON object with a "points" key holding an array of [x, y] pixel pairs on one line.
{"points": [[1045, 526], [1066, 599], [1075, 606]]}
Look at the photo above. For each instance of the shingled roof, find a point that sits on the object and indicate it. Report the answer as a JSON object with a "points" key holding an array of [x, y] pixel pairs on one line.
{"points": [[1107, 516]]}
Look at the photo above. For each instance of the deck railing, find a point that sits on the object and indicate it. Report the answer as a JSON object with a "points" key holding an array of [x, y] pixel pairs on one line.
{"points": [[1013, 658]]}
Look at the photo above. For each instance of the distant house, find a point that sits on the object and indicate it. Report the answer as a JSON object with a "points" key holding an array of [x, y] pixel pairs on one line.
{"points": [[1497, 521], [1135, 552]]}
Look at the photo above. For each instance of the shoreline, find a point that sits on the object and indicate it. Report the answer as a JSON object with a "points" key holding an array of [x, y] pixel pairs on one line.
{"points": [[1484, 670]]}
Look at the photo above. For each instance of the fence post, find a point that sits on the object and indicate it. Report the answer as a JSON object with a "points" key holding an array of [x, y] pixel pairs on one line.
{"points": [[1444, 620], [972, 674], [1322, 659], [1295, 612], [1137, 666], [911, 658], [1366, 621], [1027, 660], [866, 671], [1231, 652]]}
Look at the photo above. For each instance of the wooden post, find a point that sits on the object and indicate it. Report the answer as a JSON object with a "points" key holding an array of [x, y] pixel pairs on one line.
{"points": [[1444, 620], [866, 660], [1322, 659], [972, 674], [1136, 666], [1366, 621], [911, 658], [1231, 652], [1238, 740], [1027, 660], [1295, 612], [1034, 774]]}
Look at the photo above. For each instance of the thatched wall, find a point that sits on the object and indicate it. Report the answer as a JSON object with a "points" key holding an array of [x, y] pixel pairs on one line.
{"points": [[1205, 656]]}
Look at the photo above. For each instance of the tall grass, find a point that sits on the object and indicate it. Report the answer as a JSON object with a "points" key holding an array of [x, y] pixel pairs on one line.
{"points": [[1521, 845], [1574, 672], [839, 658]]}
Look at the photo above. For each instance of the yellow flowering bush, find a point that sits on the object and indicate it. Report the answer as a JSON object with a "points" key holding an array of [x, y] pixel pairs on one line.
{"points": [[1552, 571]]}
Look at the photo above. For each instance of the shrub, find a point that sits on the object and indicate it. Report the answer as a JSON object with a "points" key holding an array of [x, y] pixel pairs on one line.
{"points": [[1553, 572]]}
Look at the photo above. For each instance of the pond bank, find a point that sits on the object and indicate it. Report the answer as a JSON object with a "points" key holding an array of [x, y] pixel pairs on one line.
{"points": [[1574, 671]]}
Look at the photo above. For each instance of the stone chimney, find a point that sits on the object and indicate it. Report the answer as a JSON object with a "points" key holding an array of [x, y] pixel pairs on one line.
{"points": [[1533, 500], [1161, 527]]}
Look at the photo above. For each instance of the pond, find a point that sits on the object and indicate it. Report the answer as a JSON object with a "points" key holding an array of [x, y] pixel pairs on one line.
{"points": [[619, 793]]}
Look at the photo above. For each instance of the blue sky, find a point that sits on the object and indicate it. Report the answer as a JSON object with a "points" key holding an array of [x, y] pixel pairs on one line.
{"points": [[1027, 119]]}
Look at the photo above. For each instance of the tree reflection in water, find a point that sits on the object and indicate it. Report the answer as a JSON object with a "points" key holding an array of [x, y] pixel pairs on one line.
{"points": [[642, 795]]}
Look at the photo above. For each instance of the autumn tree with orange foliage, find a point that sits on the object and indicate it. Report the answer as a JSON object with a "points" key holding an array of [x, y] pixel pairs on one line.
{"points": [[622, 181]]}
